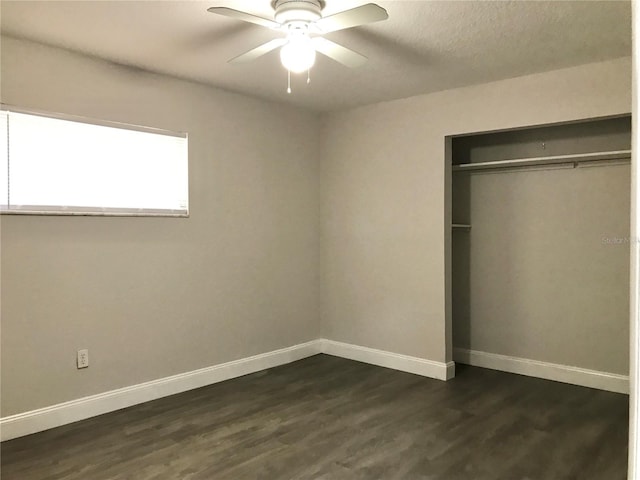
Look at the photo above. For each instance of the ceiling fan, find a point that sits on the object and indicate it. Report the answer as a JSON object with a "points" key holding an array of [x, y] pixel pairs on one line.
{"points": [[303, 25]]}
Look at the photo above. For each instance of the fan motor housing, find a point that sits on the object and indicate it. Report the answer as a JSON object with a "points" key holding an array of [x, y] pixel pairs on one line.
{"points": [[288, 11]]}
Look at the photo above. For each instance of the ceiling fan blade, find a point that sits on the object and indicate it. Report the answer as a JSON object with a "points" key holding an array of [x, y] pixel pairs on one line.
{"points": [[247, 17], [368, 13], [259, 51], [338, 53]]}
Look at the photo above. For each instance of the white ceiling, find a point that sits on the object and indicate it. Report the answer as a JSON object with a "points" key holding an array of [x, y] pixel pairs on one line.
{"points": [[424, 46]]}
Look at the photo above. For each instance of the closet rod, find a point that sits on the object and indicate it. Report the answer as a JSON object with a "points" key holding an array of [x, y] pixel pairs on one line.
{"points": [[555, 160]]}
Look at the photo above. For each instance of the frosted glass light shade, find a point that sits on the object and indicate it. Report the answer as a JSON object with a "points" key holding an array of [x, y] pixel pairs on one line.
{"points": [[298, 55]]}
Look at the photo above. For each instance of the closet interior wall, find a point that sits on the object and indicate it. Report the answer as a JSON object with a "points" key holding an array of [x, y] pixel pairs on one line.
{"points": [[541, 272]]}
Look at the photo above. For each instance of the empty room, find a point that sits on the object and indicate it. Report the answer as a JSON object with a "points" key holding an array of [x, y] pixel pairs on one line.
{"points": [[317, 239]]}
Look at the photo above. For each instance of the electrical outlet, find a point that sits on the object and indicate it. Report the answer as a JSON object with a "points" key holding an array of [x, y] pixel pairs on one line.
{"points": [[83, 358]]}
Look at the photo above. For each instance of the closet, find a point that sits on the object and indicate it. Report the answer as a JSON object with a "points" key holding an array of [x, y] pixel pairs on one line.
{"points": [[540, 249]]}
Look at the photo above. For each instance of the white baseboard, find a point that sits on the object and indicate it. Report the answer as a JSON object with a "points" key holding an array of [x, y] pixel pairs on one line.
{"points": [[396, 361], [68, 412], [61, 414], [549, 371]]}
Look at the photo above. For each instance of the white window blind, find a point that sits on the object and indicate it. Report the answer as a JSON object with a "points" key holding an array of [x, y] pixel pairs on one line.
{"points": [[54, 165]]}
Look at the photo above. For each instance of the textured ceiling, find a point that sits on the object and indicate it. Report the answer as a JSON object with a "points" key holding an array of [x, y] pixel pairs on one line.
{"points": [[425, 46]]}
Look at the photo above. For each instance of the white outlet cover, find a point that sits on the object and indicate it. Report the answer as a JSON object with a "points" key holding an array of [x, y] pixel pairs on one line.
{"points": [[83, 358]]}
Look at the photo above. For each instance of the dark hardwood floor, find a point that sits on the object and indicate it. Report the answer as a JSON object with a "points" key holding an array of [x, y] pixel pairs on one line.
{"points": [[330, 418]]}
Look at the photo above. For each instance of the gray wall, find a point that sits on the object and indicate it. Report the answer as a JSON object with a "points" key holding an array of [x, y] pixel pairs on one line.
{"points": [[541, 274], [252, 269], [152, 297], [386, 201]]}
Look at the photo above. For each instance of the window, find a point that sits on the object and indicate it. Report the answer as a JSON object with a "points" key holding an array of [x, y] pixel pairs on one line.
{"points": [[65, 165]]}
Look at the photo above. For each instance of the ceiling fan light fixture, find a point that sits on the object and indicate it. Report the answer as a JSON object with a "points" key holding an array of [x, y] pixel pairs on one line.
{"points": [[299, 19], [298, 54]]}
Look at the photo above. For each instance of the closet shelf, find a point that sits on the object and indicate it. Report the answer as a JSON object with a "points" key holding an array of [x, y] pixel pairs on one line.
{"points": [[555, 160], [460, 225]]}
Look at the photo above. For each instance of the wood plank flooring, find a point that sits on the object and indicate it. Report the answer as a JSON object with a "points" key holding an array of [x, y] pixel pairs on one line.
{"points": [[330, 418]]}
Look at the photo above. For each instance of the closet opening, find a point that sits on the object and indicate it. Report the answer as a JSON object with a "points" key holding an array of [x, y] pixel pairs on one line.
{"points": [[537, 247]]}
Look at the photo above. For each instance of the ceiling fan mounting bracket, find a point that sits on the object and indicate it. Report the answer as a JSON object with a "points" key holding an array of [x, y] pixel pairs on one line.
{"points": [[287, 11]]}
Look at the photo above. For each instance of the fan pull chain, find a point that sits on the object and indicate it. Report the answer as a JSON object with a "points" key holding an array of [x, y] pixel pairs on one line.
{"points": [[308, 76], [288, 81]]}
